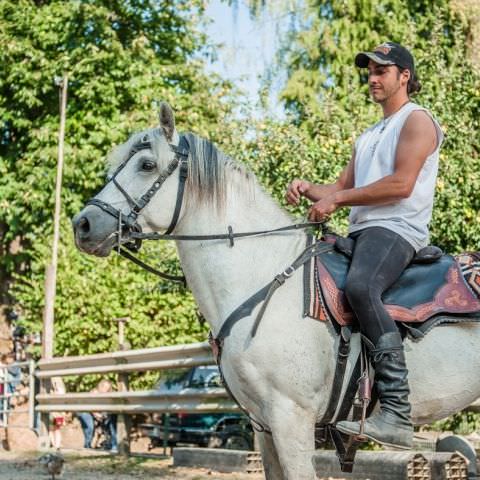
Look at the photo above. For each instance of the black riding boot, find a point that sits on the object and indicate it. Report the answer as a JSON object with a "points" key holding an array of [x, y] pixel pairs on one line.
{"points": [[392, 425]]}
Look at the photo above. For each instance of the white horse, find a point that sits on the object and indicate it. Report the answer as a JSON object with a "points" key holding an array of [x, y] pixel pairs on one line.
{"points": [[283, 375]]}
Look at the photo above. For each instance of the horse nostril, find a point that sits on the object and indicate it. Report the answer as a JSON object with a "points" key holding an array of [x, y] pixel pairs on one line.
{"points": [[83, 227]]}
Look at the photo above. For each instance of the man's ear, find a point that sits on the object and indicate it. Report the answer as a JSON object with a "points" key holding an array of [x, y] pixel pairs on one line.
{"points": [[167, 120], [406, 75]]}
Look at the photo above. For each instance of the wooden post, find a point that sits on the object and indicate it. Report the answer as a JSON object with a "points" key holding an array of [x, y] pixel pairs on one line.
{"points": [[123, 421], [51, 273], [44, 427]]}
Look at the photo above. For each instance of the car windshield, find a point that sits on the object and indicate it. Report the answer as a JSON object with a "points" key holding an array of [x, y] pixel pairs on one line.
{"points": [[205, 377], [196, 377], [173, 381]]}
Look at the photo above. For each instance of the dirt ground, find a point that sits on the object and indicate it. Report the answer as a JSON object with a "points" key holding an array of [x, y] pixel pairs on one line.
{"points": [[87, 466], [20, 461]]}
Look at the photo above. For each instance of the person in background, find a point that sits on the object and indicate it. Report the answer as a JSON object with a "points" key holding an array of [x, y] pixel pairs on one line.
{"points": [[3, 382], [14, 374], [109, 421], [87, 423]]}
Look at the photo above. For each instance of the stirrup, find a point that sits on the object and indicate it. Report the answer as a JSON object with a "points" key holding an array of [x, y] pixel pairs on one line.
{"points": [[345, 451]]}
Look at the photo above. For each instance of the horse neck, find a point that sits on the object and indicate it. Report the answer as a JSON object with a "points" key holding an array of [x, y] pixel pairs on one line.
{"points": [[222, 277]]}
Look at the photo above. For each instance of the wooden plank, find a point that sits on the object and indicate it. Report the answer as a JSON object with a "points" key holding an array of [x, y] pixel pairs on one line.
{"points": [[448, 466], [368, 465], [187, 401]]}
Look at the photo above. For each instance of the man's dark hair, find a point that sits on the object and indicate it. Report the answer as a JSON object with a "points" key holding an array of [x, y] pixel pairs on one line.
{"points": [[413, 85]]}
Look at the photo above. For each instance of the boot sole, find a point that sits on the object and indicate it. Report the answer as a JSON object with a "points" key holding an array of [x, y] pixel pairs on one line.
{"points": [[376, 440]]}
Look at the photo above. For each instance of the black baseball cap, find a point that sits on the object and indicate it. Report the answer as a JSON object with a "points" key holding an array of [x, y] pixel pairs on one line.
{"points": [[388, 53]]}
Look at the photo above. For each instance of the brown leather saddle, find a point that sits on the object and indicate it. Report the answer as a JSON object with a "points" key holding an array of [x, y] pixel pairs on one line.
{"points": [[432, 285]]}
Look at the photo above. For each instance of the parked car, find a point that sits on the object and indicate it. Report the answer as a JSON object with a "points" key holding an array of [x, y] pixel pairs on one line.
{"points": [[213, 430]]}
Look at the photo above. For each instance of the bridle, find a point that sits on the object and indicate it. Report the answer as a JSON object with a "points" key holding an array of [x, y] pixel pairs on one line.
{"points": [[128, 223], [129, 232]]}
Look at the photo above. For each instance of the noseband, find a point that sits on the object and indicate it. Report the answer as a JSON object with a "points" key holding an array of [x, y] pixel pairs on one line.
{"points": [[128, 223]]}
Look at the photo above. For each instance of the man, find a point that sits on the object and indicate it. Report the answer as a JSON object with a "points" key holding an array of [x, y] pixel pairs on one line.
{"points": [[390, 183], [107, 421]]}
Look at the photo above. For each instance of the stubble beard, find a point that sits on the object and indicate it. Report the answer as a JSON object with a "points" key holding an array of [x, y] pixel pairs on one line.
{"points": [[386, 94]]}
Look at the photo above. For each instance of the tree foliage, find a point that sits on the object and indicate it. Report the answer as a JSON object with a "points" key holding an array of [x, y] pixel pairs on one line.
{"points": [[124, 56], [121, 58]]}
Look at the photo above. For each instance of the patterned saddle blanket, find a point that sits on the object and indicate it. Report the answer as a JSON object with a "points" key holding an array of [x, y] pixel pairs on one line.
{"points": [[450, 286]]}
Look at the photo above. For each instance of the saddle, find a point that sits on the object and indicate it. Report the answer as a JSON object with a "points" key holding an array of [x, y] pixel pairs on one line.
{"points": [[434, 284]]}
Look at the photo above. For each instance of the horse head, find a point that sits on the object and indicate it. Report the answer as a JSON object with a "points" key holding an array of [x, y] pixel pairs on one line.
{"points": [[141, 190]]}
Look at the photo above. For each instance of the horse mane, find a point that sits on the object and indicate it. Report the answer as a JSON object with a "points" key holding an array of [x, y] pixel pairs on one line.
{"points": [[209, 169]]}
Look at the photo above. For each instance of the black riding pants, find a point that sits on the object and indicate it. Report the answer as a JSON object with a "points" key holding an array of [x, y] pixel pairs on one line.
{"points": [[379, 258]]}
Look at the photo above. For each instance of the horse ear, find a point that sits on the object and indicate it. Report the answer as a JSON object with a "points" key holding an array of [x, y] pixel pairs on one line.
{"points": [[167, 120]]}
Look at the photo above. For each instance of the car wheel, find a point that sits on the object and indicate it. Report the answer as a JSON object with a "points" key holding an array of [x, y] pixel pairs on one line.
{"points": [[236, 442]]}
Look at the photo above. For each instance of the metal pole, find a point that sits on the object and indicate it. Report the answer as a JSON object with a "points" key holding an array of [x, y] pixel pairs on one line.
{"points": [[51, 274], [31, 394], [166, 432]]}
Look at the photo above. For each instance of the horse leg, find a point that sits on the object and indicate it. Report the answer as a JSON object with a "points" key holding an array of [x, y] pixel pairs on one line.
{"points": [[293, 436], [271, 463]]}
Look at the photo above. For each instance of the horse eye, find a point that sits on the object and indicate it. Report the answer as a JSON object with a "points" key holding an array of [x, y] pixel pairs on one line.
{"points": [[148, 165]]}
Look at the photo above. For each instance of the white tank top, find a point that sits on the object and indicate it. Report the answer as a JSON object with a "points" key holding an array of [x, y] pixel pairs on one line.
{"points": [[374, 159]]}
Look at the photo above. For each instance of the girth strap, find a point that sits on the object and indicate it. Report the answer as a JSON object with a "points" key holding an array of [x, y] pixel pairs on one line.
{"points": [[339, 375]]}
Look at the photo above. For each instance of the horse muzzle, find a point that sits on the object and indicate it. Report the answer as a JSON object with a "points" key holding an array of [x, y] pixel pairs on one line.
{"points": [[95, 232]]}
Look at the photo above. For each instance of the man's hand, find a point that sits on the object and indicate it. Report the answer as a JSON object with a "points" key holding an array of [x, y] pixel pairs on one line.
{"points": [[321, 210], [298, 188]]}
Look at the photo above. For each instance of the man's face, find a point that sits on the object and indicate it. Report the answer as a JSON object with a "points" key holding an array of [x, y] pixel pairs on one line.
{"points": [[385, 81]]}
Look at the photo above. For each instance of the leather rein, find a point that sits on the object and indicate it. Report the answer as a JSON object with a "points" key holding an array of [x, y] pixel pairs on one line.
{"points": [[129, 235]]}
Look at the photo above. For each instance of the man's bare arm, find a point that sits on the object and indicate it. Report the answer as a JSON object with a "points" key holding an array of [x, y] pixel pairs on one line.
{"points": [[418, 140], [315, 192]]}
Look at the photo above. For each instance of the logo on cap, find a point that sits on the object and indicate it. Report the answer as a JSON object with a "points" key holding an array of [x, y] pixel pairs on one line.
{"points": [[384, 48]]}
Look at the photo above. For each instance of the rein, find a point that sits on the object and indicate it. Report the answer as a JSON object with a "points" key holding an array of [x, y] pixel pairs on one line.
{"points": [[220, 236], [129, 232]]}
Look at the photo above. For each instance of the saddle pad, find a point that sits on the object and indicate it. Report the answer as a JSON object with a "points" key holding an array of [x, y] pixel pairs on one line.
{"points": [[448, 286]]}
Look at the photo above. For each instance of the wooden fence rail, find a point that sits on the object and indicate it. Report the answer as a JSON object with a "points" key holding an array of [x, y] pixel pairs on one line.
{"points": [[127, 402], [147, 401], [160, 358]]}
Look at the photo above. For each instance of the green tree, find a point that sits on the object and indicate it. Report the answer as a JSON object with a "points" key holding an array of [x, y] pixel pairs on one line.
{"points": [[122, 58]]}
